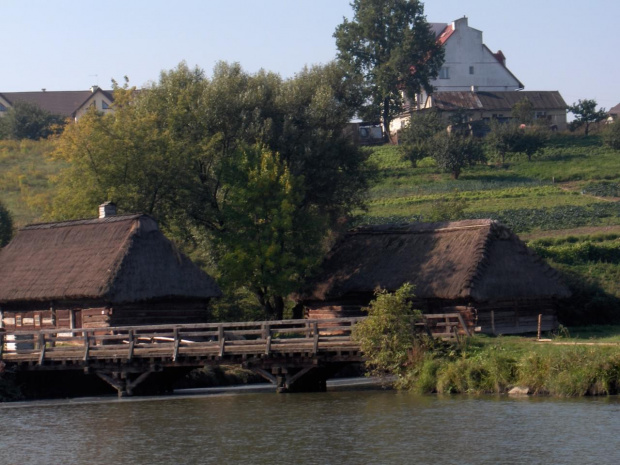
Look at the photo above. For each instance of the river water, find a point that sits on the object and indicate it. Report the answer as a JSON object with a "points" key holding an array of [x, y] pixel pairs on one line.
{"points": [[342, 426]]}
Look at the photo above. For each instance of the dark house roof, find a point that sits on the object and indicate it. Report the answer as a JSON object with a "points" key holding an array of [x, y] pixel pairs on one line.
{"points": [[63, 103], [497, 101], [615, 111], [479, 260], [119, 259]]}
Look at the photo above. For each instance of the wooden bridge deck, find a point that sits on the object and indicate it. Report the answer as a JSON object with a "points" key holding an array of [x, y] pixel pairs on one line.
{"points": [[280, 351]]}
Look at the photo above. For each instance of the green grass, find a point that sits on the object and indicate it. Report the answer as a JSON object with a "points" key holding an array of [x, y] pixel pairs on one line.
{"points": [[548, 193], [496, 364], [25, 171]]}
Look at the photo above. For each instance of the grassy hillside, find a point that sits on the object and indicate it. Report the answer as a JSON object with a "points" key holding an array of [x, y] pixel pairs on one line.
{"points": [[25, 171], [567, 186]]}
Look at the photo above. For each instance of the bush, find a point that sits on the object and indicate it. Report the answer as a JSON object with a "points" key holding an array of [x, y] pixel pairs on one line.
{"points": [[611, 135], [387, 335]]}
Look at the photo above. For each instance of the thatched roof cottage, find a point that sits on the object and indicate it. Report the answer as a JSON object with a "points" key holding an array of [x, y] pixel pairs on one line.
{"points": [[476, 267], [109, 271]]}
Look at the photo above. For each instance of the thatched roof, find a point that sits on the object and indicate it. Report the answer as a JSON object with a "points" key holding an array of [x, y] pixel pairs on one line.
{"points": [[479, 260], [118, 259]]}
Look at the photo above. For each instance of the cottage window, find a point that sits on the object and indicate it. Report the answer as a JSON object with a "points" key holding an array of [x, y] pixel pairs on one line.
{"points": [[104, 105], [444, 73], [471, 70], [2, 107]]}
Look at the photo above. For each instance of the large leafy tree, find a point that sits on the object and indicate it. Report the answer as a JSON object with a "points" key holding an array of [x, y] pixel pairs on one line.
{"points": [[28, 121], [390, 44], [179, 148], [586, 113]]}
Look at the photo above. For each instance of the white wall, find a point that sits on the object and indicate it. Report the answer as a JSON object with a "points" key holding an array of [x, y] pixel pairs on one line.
{"points": [[465, 49]]}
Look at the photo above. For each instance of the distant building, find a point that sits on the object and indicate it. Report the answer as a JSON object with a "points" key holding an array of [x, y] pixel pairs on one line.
{"points": [[69, 104], [614, 113], [469, 62], [477, 80]]}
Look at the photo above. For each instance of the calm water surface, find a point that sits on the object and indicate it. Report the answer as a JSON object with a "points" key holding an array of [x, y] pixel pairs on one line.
{"points": [[343, 427]]}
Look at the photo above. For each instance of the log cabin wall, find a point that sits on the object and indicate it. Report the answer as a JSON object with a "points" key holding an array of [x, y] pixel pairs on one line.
{"points": [[517, 317], [161, 312], [502, 317], [96, 314], [27, 316]]}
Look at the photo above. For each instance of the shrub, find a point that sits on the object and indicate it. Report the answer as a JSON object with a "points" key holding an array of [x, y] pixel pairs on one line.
{"points": [[611, 135]]}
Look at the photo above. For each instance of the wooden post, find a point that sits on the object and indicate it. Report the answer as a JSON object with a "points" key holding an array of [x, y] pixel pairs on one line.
{"points": [[177, 343], [315, 329], [1, 342], [539, 325], [41, 348], [493, 321], [131, 345], [221, 338], [86, 346]]}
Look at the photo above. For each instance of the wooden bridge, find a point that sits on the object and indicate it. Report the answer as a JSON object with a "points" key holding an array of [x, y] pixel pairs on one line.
{"points": [[295, 355]]}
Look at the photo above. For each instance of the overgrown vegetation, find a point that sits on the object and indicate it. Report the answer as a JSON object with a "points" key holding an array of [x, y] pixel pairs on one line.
{"points": [[487, 365], [388, 333]]}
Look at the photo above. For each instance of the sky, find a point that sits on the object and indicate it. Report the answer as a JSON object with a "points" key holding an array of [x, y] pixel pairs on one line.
{"points": [[566, 45]]}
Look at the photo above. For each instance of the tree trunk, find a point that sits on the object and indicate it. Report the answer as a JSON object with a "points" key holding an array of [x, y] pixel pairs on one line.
{"points": [[386, 120], [278, 307]]}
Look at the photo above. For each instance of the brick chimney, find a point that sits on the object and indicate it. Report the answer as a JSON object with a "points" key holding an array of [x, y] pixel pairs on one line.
{"points": [[107, 209]]}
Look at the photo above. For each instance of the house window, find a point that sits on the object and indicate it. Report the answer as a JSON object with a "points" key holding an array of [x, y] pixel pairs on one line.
{"points": [[104, 105], [471, 70], [2, 107], [444, 73]]}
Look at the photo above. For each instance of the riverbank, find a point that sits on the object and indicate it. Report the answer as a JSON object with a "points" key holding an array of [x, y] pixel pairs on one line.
{"points": [[484, 365]]}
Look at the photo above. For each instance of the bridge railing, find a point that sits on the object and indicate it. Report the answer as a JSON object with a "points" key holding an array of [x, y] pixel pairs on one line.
{"points": [[173, 341]]}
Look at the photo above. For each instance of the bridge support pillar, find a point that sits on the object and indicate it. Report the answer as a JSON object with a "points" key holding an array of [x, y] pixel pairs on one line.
{"points": [[306, 379], [121, 381]]}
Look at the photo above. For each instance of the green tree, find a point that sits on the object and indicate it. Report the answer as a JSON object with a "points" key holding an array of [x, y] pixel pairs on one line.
{"points": [[511, 138], [415, 139], [453, 152], [270, 241], [388, 333], [523, 111], [6, 225], [586, 113], [611, 135], [174, 150], [390, 44], [27, 121]]}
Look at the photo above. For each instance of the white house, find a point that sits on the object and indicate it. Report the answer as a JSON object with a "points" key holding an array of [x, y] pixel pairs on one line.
{"points": [[469, 63], [475, 78]]}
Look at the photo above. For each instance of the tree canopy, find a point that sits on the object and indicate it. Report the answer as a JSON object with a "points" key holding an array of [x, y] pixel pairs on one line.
{"points": [[391, 45], [453, 152], [27, 121], [187, 149], [586, 113]]}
